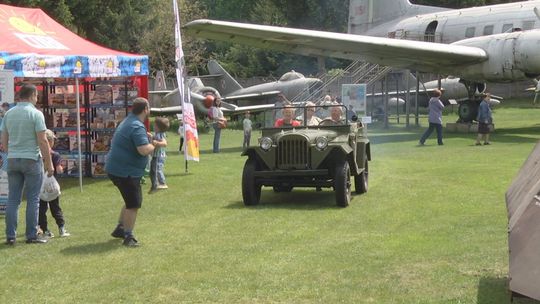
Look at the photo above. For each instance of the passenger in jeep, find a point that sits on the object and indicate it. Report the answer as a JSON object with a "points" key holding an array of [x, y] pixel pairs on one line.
{"points": [[287, 120]]}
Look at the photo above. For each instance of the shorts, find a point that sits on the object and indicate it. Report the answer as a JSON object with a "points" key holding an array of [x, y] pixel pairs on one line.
{"points": [[483, 128], [130, 188]]}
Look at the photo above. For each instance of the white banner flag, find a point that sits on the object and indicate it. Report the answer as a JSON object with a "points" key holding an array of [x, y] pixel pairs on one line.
{"points": [[191, 136]]}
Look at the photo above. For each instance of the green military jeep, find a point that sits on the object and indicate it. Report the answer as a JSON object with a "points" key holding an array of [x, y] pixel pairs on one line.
{"points": [[298, 148]]}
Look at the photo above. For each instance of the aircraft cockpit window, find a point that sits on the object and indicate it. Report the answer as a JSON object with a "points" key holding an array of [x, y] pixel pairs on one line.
{"points": [[507, 27], [469, 32], [528, 25], [292, 75], [488, 30]]}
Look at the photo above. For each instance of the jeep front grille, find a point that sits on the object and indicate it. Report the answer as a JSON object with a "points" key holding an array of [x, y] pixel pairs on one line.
{"points": [[293, 153]]}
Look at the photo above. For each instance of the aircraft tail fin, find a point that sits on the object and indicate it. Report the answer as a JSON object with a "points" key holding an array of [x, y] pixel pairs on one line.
{"points": [[160, 84], [365, 15], [227, 84]]}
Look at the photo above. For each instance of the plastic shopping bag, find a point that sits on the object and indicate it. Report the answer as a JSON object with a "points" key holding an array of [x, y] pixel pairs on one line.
{"points": [[50, 189]]}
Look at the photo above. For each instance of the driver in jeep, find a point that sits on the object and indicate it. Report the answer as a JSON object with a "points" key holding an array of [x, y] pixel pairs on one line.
{"points": [[335, 117]]}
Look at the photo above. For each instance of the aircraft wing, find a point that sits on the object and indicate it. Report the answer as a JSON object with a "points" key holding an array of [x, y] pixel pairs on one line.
{"points": [[417, 55], [228, 109], [251, 96], [244, 109], [166, 110], [160, 92]]}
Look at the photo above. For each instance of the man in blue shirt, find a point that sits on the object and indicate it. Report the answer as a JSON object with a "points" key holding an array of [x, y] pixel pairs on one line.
{"points": [[435, 118], [25, 142], [125, 166]]}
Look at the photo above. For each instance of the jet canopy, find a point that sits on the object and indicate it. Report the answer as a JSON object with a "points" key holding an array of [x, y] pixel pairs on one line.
{"points": [[292, 75]]}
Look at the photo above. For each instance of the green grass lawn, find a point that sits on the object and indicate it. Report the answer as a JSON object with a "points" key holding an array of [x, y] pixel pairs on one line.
{"points": [[431, 229]]}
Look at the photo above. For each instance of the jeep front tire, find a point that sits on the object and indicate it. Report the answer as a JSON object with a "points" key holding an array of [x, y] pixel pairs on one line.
{"points": [[251, 189], [342, 183], [361, 180]]}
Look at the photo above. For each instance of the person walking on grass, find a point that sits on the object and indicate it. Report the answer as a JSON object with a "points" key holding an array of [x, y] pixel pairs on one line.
{"points": [[485, 119], [247, 125], [435, 118], [56, 211], [157, 177], [126, 161], [24, 141], [181, 134], [218, 122]]}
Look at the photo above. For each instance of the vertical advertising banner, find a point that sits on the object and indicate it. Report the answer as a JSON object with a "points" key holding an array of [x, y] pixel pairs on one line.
{"points": [[7, 90], [188, 115], [353, 97], [7, 94]]}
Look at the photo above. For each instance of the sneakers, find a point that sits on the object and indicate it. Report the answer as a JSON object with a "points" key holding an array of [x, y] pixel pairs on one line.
{"points": [[118, 233], [163, 186], [37, 240], [63, 232], [130, 241], [48, 234], [152, 191], [10, 242], [487, 143], [477, 144]]}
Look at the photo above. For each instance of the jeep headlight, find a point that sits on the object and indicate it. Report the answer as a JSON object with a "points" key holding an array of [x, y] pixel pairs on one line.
{"points": [[266, 143], [321, 142]]}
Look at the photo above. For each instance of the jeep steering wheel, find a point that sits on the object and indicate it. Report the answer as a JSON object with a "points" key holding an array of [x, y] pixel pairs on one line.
{"points": [[326, 121]]}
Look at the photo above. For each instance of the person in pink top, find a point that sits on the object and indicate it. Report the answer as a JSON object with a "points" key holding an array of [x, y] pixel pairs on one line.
{"points": [[287, 120]]}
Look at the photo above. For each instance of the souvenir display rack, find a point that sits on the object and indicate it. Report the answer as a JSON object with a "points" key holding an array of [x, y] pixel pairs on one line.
{"points": [[103, 104]]}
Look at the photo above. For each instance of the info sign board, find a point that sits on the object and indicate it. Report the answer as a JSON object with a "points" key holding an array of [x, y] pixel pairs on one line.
{"points": [[353, 97], [7, 93]]}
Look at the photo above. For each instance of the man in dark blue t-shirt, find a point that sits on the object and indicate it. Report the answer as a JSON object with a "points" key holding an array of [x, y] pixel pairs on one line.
{"points": [[130, 147]]}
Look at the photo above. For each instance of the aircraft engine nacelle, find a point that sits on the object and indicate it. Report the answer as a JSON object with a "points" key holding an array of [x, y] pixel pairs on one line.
{"points": [[394, 101], [198, 99], [512, 57]]}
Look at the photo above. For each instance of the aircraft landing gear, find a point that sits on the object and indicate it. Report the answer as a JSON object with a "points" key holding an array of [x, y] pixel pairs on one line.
{"points": [[468, 110]]}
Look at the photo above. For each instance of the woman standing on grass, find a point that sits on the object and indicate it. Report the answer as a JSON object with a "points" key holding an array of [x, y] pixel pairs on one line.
{"points": [[484, 119], [435, 118]]}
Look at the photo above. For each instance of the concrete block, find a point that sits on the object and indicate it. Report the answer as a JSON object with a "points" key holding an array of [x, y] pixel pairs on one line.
{"points": [[462, 127], [451, 126]]}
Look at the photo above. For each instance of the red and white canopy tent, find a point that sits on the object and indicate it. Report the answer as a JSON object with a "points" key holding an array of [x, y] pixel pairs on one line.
{"points": [[33, 45]]}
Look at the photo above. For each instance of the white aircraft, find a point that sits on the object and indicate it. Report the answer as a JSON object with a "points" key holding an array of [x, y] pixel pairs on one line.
{"points": [[235, 98], [496, 43]]}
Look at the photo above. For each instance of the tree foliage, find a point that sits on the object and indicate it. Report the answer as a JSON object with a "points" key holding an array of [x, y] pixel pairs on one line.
{"points": [[460, 3], [243, 61], [158, 41]]}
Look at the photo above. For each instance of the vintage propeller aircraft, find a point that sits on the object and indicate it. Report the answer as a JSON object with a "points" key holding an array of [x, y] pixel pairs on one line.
{"points": [[496, 43], [235, 98]]}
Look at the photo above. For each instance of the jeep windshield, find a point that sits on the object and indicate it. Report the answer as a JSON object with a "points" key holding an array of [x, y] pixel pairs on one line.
{"points": [[306, 116]]}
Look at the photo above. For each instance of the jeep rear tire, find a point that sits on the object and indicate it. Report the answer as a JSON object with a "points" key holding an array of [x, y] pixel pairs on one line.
{"points": [[251, 189], [361, 180], [342, 184]]}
